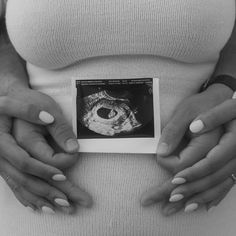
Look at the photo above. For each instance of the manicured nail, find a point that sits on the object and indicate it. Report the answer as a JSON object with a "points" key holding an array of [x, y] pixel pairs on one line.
{"points": [[211, 209], [191, 207], [59, 177], [62, 202], [196, 126], [162, 148], [46, 117], [48, 210], [72, 145], [234, 95], [30, 209], [176, 197], [178, 180]]}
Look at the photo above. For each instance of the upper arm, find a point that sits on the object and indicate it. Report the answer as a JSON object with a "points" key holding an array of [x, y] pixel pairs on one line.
{"points": [[2, 8]]}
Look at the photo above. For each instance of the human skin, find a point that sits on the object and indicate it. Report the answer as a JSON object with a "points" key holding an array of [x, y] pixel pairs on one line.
{"points": [[27, 146]]}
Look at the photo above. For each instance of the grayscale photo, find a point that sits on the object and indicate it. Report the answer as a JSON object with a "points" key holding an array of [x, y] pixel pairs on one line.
{"points": [[117, 117]]}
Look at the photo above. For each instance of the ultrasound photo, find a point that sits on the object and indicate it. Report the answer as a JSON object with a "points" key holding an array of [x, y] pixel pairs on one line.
{"points": [[115, 108]]}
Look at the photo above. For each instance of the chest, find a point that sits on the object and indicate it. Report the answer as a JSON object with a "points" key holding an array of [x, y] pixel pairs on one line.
{"points": [[185, 30]]}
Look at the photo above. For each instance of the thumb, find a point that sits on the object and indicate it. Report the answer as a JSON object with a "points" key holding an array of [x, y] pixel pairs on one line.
{"points": [[173, 132]]}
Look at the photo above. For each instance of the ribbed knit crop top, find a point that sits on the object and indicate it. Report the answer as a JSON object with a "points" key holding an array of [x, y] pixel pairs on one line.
{"points": [[54, 34]]}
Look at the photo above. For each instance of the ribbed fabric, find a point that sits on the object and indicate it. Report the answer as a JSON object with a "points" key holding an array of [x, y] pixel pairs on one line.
{"points": [[177, 41]]}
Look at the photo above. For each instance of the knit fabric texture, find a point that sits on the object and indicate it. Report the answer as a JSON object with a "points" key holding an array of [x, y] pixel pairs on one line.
{"points": [[176, 41]]}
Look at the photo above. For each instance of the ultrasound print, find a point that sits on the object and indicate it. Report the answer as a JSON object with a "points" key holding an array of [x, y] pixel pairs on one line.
{"points": [[120, 108]]}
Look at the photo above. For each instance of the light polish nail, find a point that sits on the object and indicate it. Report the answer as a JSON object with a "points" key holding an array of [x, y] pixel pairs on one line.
{"points": [[46, 117], [178, 180], [196, 126], [48, 210], [62, 202], [234, 95], [30, 209], [176, 197], [211, 209], [59, 177], [191, 207], [162, 148]]}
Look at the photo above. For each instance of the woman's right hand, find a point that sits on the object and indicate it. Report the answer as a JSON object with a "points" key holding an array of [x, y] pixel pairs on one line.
{"points": [[29, 158]]}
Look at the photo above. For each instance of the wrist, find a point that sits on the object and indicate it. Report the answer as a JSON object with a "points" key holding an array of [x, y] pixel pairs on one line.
{"points": [[224, 79]]}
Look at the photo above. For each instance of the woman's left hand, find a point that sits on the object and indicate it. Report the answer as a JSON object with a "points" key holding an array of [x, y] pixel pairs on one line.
{"points": [[199, 173], [208, 189]]}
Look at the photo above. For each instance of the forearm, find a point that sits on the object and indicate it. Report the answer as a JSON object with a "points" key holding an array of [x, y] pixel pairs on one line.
{"points": [[12, 67], [227, 61]]}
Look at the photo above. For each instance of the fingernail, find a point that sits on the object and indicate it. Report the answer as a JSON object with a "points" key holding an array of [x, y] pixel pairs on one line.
{"points": [[191, 207], [59, 177], [147, 202], [48, 210], [30, 209], [62, 202], [211, 209], [196, 126], [46, 117], [162, 148], [234, 95], [178, 180], [72, 145], [176, 197]]}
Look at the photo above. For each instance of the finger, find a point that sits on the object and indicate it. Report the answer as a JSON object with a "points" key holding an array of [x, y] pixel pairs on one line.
{"points": [[174, 131], [35, 202], [15, 189], [170, 208], [215, 159], [188, 189], [22, 161], [215, 117], [26, 198], [196, 150], [210, 205], [24, 110], [157, 193], [76, 194], [63, 135], [30, 137], [36, 186], [217, 192]]}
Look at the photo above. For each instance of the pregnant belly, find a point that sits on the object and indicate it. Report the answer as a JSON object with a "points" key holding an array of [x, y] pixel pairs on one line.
{"points": [[116, 181]]}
